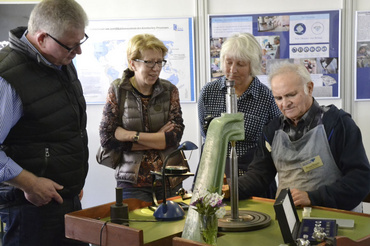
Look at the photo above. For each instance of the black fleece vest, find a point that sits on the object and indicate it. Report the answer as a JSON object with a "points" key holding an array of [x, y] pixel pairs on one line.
{"points": [[50, 139]]}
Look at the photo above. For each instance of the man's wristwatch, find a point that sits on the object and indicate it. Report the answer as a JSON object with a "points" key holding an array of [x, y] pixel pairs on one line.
{"points": [[135, 139]]}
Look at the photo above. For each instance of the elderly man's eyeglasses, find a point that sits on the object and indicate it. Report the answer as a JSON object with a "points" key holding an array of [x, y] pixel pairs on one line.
{"points": [[151, 64], [65, 46]]}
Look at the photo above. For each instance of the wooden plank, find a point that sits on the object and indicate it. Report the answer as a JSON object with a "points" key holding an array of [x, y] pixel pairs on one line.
{"points": [[345, 241], [85, 225], [81, 228], [178, 241]]}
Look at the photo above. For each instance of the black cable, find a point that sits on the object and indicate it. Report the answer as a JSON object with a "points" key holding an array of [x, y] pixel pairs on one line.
{"points": [[123, 220], [101, 231]]}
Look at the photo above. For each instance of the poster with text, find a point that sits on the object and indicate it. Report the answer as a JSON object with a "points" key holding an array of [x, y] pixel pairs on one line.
{"points": [[308, 38], [104, 54]]}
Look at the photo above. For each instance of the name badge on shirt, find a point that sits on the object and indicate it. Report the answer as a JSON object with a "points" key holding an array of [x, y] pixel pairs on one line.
{"points": [[312, 163]]}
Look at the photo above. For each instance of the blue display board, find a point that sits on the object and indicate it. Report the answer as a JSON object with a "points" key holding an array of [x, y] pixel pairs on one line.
{"points": [[362, 71], [309, 38]]}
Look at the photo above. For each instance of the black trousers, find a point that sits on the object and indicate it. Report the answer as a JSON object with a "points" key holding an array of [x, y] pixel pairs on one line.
{"points": [[29, 225]]}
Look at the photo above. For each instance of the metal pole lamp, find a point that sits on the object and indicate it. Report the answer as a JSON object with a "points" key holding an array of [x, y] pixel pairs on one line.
{"points": [[170, 210]]}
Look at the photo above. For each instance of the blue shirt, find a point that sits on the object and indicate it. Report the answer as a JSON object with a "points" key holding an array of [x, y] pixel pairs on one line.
{"points": [[11, 111]]}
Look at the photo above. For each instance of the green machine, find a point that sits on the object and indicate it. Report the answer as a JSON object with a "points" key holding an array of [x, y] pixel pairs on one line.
{"points": [[222, 130]]}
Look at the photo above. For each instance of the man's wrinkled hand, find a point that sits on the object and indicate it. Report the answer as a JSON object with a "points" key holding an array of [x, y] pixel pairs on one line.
{"points": [[300, 198], [43, 191]]}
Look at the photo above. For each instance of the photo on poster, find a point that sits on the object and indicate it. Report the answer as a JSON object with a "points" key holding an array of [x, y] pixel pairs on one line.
{"points": [[278, 23], [363, 54], [327, 65], [270, 46], [216, 44], [215, 68], [323, 81]]}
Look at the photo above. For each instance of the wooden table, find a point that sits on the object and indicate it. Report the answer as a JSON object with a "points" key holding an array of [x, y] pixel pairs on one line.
{"points": [[86, 225]]}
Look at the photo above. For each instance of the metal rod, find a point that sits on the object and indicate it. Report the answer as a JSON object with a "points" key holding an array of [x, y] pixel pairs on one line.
{"points": [[231, 100], [234, 196], [231, 108]]}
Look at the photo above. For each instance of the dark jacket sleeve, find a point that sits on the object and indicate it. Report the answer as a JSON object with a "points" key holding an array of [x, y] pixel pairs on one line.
{"points": [[346, 145], [201, 109], [261, 171], [173, 138]]}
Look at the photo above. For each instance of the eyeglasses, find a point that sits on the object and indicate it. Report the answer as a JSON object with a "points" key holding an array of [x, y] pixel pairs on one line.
{"points": [[151, 64], [65, 46]]}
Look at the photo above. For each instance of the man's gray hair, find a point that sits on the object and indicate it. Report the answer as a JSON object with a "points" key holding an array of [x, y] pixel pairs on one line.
{"points": [[57, 16], [287, 67]]}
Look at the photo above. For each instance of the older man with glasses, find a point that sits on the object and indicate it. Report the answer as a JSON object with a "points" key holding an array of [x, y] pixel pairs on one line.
{"points": [[43, 139], [66, 47]]}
